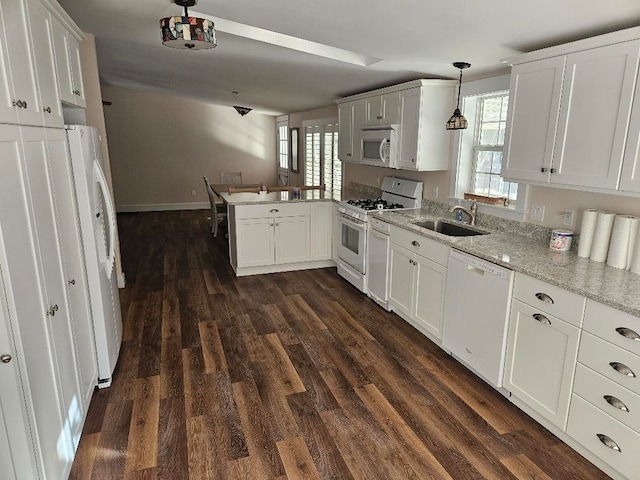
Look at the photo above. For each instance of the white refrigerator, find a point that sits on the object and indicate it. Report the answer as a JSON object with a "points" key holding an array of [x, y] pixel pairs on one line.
{"points": [[98, 226]]}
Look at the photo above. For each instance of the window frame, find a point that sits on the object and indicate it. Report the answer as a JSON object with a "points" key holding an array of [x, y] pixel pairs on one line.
{"points": [[321, 125], [462, 156]]}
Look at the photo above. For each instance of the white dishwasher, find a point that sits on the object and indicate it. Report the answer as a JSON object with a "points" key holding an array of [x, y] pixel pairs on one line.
{"points": [[476, 314], [378, 262]]}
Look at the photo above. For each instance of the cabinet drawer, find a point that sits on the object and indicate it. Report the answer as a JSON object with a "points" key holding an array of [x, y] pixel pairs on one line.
{"points": [[620, 328], [611, 361], [434, 251], [271, 210], [586, 423], [608, 396], [550, 299]]}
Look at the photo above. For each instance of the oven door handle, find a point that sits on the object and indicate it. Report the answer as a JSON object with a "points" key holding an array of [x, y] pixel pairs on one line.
{"points": [[359, 224]]}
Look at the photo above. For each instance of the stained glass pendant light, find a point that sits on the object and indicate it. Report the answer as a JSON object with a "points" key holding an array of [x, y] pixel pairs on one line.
{"points": [[457, 120], [187, 33]]}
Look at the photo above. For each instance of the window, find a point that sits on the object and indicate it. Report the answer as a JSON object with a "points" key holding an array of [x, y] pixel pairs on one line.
{"points": [[321, 164], [488, 143], [282, 149]]}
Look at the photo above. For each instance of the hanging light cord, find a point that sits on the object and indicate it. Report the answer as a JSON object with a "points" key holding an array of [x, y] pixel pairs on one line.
{"points": [[186, 14], [459, 87]]}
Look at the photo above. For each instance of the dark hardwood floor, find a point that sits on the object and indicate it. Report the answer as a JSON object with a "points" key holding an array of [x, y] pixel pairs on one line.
{"points": [[290, 375]]}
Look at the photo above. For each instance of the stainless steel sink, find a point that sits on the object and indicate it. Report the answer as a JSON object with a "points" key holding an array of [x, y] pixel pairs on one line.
{"points": [[449, 228]]}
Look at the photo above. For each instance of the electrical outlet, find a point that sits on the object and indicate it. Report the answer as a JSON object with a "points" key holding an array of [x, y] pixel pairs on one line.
{"points": [[193, 193], [567, 217], [434, 191], [537, 213]]}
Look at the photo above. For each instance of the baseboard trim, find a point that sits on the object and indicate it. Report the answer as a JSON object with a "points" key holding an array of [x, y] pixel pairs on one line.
{"points": [[162, 207]]}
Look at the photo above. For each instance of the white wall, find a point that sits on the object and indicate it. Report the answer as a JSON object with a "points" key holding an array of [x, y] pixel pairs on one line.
{"points": [[162, 145]]}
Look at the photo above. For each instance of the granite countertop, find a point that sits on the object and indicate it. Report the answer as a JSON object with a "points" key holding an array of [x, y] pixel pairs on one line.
{"points": [[617, 288], [249, 198]]}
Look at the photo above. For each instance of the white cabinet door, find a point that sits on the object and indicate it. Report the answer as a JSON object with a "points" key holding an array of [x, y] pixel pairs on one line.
{"points": [[594, 114], [534, 103], [63, 66], [540, 363], [255, 242], [429, 290], [390, 108], [17, 457], [21, 61], [345, 132], [401, 279], [76, 71], [73, 257], [60, 328], [41, 36], [374, 110], [630, 180], [409, 128], [292, 239], [8, 111]]}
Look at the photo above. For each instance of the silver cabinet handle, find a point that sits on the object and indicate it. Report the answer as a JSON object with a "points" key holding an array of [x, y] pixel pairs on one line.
{"points": [[544, 297], [5, 358], [608, 442], [48, 109], [19, 104], [553, 170], [616, 402], [543, 170], [52, 311], [24, 104], [415, 243], [541, 318], [274, 210], [72, 281], [622, 368], [628, 333], [76, 92], [379, 117], [271, 224]]}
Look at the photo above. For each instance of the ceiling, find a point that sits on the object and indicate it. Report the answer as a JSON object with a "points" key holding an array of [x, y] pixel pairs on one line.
{"points": [[400, 40]]}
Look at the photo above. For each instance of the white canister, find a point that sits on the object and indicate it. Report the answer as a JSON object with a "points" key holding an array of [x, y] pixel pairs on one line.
{"points": [[561, 240]]}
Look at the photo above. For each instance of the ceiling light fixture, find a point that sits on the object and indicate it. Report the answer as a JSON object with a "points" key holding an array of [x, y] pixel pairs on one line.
{"points": [[241, 110], [457, 120], [187, 33]]}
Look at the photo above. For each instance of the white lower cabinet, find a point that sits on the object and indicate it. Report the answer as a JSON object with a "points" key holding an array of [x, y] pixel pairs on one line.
{"points": [[267, 237], [417, 283], [540, 362]]}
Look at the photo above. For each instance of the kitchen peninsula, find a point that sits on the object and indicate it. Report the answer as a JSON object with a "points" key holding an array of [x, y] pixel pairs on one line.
{"points": [[275, 232]]}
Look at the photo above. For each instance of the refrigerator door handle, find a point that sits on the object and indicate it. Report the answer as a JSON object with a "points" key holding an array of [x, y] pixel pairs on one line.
{"points": [[111, 218]]}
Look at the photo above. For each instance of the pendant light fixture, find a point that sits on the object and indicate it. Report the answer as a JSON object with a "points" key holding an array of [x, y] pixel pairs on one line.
{"points": [[241, 110], [457, 120], [187, 33]]}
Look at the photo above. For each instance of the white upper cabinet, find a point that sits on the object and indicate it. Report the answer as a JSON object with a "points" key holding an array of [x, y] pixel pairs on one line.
{"points": [[67, 57], [630, 180], [570, 110], [534, 103], [420, 108], [594, 114], [383, 109]]}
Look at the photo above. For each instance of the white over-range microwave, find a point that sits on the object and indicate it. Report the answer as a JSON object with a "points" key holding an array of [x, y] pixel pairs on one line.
{"points": [[379, 145]]}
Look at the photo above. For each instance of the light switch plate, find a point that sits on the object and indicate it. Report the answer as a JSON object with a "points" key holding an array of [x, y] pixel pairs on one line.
{"points": [[537, 213], [567, 218]]}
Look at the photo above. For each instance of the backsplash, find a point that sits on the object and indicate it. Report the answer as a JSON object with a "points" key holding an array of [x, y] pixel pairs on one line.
{"points": [[360, 190]]}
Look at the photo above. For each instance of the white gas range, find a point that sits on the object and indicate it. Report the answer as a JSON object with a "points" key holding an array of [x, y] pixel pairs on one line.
{"points": [[397, 193]]}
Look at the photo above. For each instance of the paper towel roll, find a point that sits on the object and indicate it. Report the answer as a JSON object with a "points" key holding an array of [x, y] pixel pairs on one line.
{"points": [[587, 229], [635, 260], [602, 236], [635, 230], [619, 245]]}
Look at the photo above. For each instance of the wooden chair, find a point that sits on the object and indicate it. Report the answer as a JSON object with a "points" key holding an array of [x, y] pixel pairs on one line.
{"points": [[233, 178], [218, 210], [255, 189]]}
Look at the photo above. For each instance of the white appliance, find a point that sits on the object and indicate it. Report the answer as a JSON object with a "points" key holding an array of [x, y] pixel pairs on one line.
{"points": [[476, 313], [397, 193], [380, 145], [378, 262], [98, 227]]}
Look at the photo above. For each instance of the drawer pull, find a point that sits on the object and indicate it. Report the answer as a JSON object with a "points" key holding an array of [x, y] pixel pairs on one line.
{"points": [[274, 210], [628, 333], [608, 442], [544, 297], [616, 402], [622, 368], [415, 243], [541, 318]]}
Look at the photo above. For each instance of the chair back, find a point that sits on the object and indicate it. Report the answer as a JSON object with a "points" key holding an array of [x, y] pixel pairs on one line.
{"points": [[234, 178], [212, 195]]}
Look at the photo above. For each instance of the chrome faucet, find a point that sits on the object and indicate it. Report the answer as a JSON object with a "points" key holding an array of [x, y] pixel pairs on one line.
{"points": [[471, 211]]}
